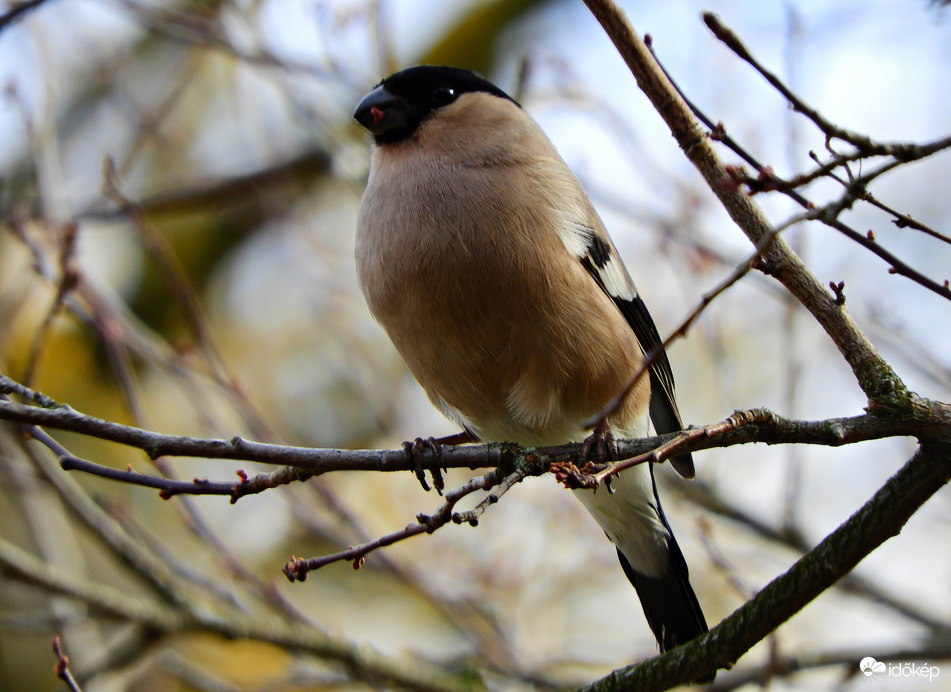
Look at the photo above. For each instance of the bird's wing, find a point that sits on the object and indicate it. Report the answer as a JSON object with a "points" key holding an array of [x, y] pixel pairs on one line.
{"points": [[585, 237]]}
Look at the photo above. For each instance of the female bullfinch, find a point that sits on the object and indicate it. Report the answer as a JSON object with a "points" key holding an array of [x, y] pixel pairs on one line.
{"points": [[480, 254]]}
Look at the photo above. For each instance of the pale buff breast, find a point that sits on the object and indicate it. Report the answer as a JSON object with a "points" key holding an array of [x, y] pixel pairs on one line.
{"points": [[449, 258]]}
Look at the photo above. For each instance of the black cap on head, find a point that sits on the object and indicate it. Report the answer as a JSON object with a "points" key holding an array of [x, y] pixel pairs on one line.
{"points": [[398, 104]]}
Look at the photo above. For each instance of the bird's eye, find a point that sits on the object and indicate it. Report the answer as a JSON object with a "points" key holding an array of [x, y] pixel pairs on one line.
{"points": [[444, 94]]}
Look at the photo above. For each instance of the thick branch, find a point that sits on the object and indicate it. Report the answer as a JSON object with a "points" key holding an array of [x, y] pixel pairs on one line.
{"points": [[791, 537], [920, 418], [876, 378], [882, 517]]}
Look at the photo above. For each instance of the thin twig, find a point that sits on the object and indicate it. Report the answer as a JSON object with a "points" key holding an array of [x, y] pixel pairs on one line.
{"points": [[18, 10], [901, 153], [107, 601], [160, 250], [876, 378], [681, 331], [905, 220], [298, 568], [62, 667], [905, 151], [68, 278], [471, 516]]}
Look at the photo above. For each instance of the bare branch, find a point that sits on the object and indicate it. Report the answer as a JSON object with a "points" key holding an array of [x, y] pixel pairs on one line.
{"points": [[904, 151], [68, 278], [791, 537], [923, 418], [62, 667], [108, 601], [178, 281], [193, 29], [19, 9], [900, 153], [297, 569], [876, 521], [874, 375], [766, 180]]}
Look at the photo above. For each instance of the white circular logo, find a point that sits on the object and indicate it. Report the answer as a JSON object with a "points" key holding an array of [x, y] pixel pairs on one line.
{"points": [[869, 666]]}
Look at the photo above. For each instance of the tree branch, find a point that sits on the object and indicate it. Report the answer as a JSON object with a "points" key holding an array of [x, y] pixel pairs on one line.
{"points": [[874, 375], [904, 151], [169, 620], [882, 517], [62, 667], [297, 569], [922, 418], [701, 495], [900, 153], [17, 11]]}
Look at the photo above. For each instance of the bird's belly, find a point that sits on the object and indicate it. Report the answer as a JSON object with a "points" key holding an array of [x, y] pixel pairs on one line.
{"points": [[479, 314], [504, 375]]}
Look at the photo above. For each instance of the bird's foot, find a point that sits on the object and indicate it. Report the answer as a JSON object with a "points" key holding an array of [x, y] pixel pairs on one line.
{"points": [[417, 448], [601, 439]]}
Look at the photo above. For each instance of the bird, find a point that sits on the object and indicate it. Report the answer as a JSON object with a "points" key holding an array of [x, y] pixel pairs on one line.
{"points": [[483, 258]]}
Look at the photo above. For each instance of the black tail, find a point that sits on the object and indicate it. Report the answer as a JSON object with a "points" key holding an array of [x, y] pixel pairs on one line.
{"points": [[668, 600]]}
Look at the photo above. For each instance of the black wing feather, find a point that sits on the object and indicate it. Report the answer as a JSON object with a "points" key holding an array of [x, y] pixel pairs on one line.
{"points": [[663, 405]]}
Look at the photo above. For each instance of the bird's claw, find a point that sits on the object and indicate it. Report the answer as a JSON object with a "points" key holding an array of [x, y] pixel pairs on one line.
{"points": [[602, 439], [415, 451]]}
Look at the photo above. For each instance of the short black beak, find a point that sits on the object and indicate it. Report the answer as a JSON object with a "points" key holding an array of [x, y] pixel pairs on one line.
{"points": [[381, 112]]}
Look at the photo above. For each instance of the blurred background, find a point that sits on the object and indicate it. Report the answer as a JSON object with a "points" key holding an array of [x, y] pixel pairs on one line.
{"points": [[179, 185]]}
